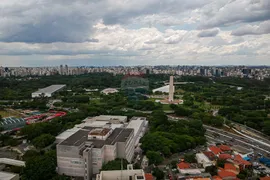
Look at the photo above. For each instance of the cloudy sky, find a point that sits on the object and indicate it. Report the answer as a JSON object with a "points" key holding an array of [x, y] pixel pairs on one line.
{"points": [[134, 32]]}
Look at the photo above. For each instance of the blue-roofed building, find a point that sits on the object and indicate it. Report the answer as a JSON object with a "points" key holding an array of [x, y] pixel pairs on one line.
{"points": [[10, 123]]}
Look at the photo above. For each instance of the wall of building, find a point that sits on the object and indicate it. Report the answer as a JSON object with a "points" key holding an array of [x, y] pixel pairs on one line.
{"points": [[97, 159], [87, 156], [110, 153], [69, 161]]}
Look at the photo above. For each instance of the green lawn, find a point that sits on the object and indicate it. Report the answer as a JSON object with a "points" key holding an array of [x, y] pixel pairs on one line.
{"points": [[7, 114]]}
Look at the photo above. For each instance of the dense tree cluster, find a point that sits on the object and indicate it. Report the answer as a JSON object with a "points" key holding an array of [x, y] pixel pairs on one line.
{"points": [[41, 166], [168, 137]]}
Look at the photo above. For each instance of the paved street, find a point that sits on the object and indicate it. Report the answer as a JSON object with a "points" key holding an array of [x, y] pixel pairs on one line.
{"points": [[234, 139]]}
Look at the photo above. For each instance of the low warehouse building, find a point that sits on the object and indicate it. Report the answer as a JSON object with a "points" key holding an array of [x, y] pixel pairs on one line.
{"points": [[48, 91]]}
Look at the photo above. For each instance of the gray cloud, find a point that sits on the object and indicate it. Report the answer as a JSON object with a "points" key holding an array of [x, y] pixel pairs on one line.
{"points": [[209, 33], [234, 12], [262, 28], [72, 21]]}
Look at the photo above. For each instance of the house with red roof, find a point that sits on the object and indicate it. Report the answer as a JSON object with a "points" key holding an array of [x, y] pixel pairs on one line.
{"points": [[216, 150], [148, 176], [231, 168], [211, 156], [226, 175], [241, 163], [265, 178], [183, 165], [225, 148], [216, 178], [225, 156]]}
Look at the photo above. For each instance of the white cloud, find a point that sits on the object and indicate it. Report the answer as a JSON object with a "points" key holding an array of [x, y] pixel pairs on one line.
{"points": [[262, 28]]}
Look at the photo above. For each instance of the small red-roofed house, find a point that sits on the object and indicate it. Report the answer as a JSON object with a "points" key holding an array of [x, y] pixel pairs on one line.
{"points": [[225, 156], [148, 176], [226, 175], [230, 168], [216, 178], [210, 155], [225, 148], [216, 150], [183, 165], [265, 178], [241, 163]]}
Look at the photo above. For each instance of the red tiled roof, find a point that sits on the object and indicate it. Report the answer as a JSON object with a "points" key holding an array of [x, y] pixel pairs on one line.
{"points": [[240, 160], [229, 166], [225, 156], [224, 174], [148, 176], [209, 154], [216, 178], [265, 178], [183, 165], [215, 149], [225, 148]]}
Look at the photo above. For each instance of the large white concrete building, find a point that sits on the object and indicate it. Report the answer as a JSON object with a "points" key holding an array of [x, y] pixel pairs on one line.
{"points": [[83, 153], [48, 91], [96, 141]]}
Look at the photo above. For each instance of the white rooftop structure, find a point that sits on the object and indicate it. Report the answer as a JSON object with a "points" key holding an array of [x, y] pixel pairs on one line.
{"points": [[48, 91], [108, 118], [203, 159], [8, 176], [129, 174], [12, 162], [163, 89], [109, 91], [139, 124], [64, 135], [102, 121]]}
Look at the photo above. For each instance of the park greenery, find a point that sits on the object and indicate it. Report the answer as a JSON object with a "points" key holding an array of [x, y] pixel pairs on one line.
{"points": [[168, 137]]}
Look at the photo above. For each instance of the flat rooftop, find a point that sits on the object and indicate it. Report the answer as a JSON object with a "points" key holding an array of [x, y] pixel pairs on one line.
{"points": [[108, 118], [81, 136], [51, 89], [99, 131]]}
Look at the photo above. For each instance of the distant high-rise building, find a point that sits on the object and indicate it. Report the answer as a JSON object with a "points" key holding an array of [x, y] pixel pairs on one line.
{"points": [[61, 70], [66, 70], [246, 71]]}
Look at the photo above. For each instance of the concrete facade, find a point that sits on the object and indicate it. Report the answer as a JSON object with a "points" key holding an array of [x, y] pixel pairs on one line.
{"points": [[171, 89], [129, 174], [81, 155]]}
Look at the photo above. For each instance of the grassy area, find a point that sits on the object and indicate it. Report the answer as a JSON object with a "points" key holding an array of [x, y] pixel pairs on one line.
{"points": [[166, 107], [7, 114]]}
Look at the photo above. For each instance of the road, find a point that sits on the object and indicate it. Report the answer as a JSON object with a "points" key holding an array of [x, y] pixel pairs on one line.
{"points": [[246, 142]]}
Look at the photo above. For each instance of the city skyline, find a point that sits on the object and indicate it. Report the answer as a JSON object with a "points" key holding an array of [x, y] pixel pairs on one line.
{"points": [[110, 33]]}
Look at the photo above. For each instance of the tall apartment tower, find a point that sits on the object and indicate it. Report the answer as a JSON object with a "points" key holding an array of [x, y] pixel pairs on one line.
{"points": [[171, 89]]}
